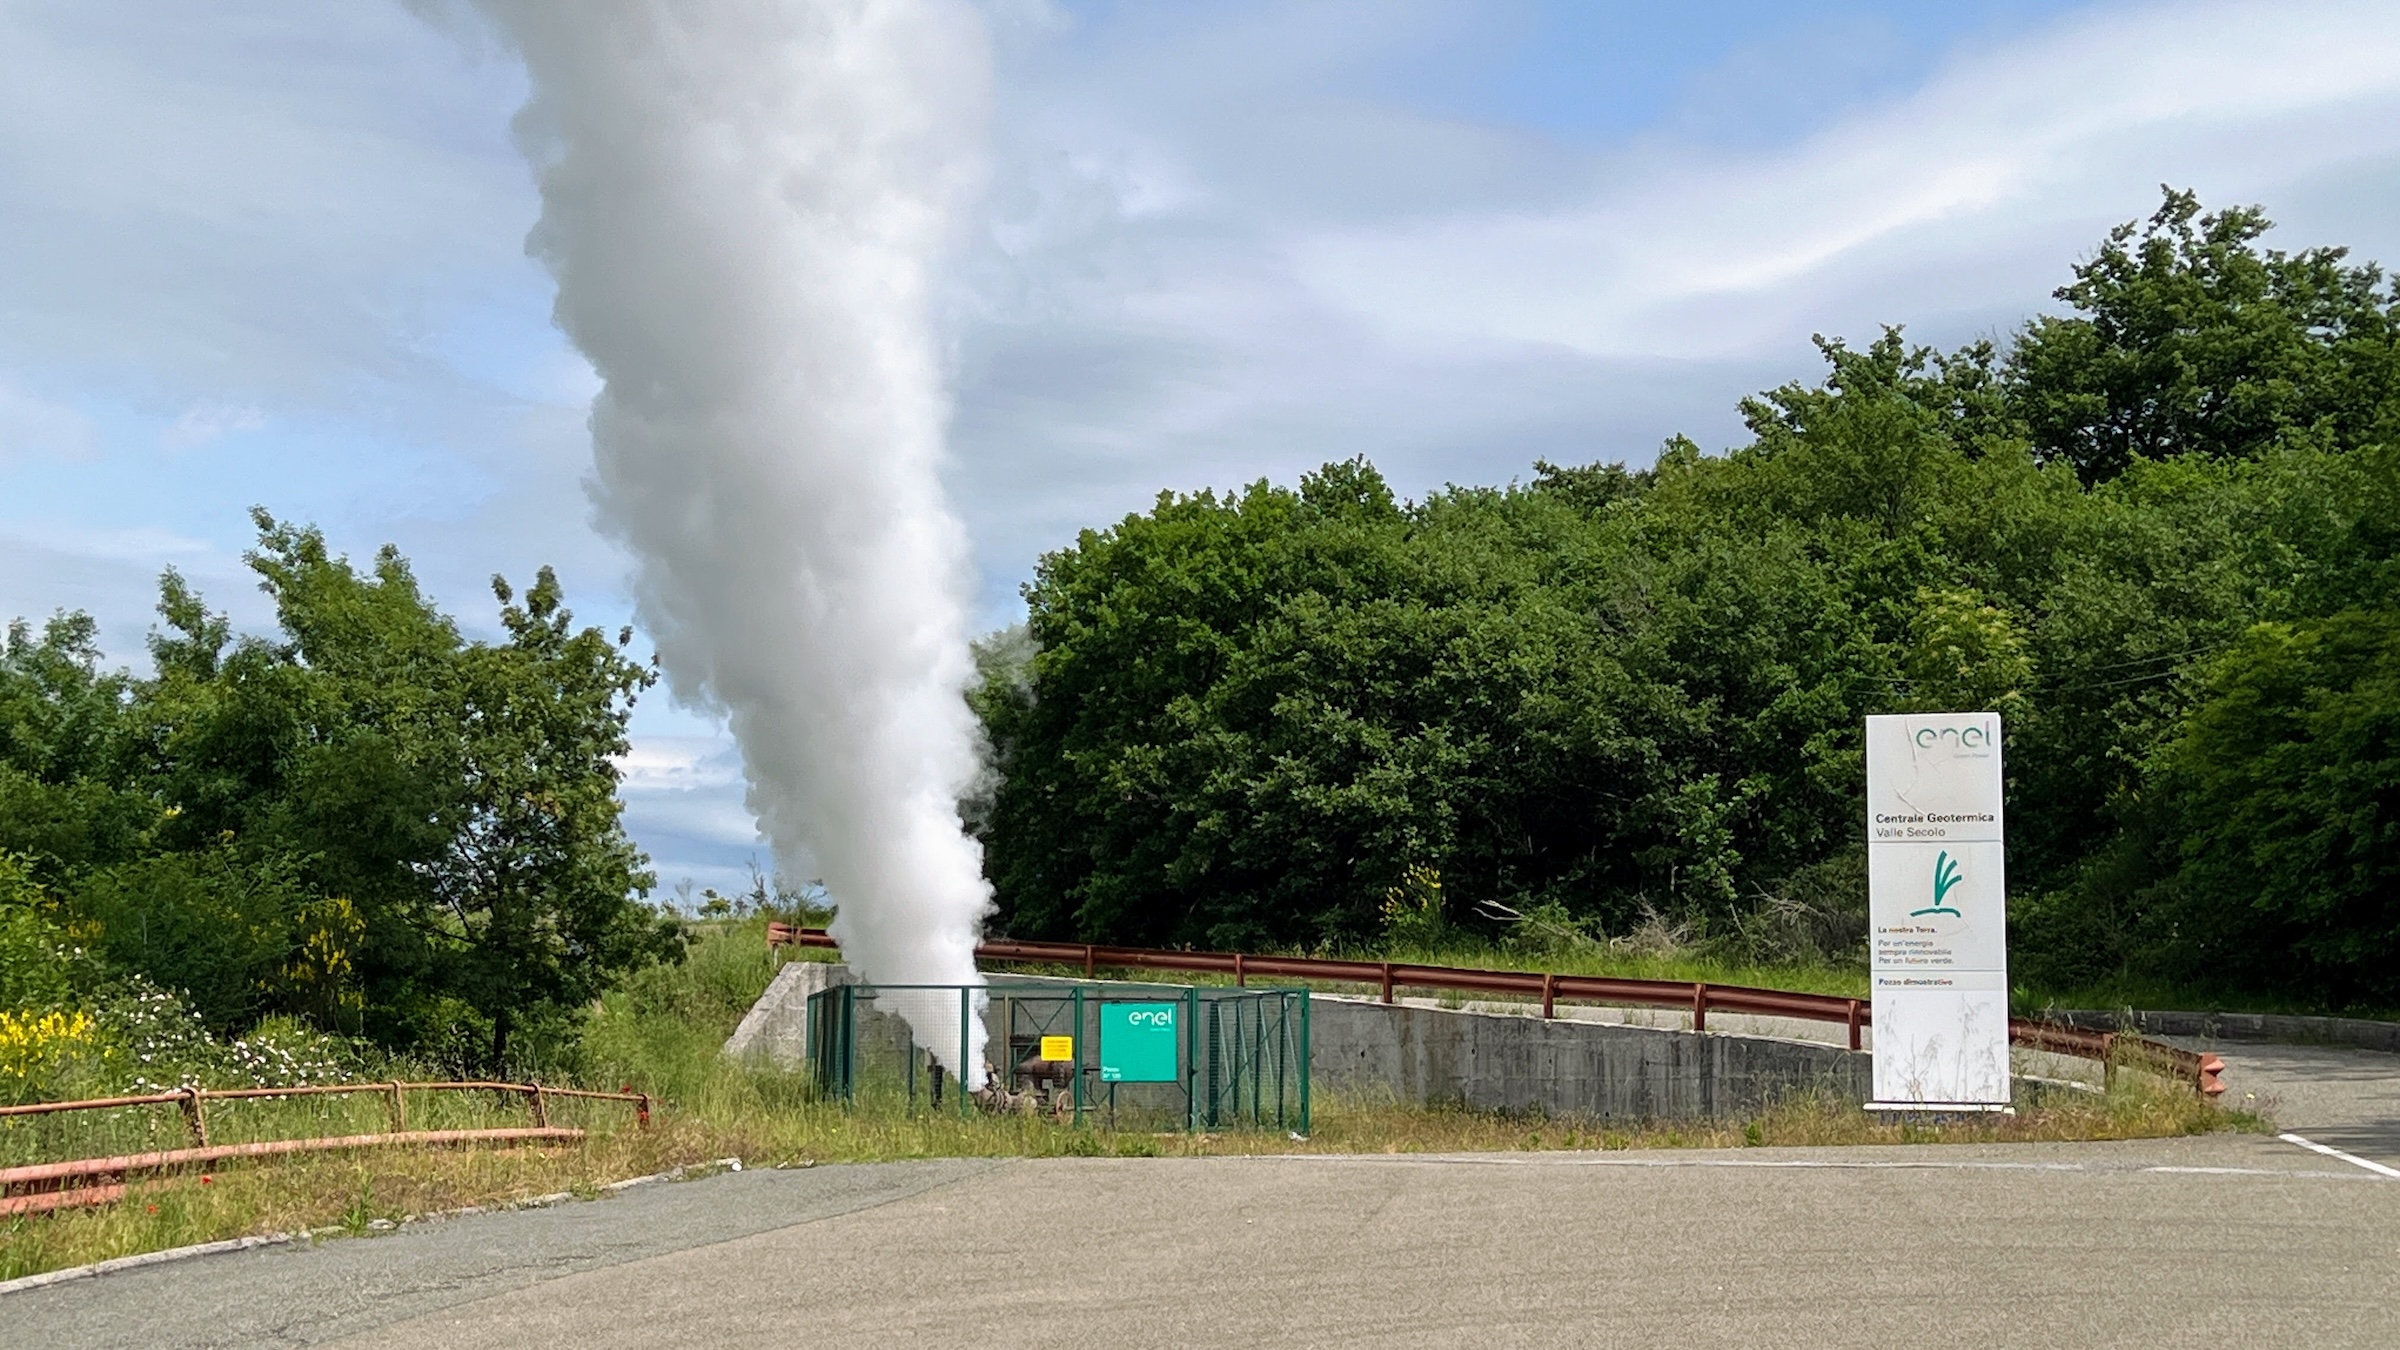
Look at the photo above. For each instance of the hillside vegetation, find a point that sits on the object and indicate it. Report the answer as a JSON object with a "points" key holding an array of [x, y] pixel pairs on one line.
{"points": [[2156, 532]]}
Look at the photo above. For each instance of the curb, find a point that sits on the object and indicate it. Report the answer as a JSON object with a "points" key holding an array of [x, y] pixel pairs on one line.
{"points": [[22, 1283], [2290, 1029], [112, 1266]]}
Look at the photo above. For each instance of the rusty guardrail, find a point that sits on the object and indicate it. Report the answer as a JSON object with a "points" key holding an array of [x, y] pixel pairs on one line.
{"points": [[36, 1187], [1696, 997]]}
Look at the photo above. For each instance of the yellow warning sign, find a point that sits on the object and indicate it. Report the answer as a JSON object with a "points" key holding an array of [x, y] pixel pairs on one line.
{"points": [[1058, 1047]]}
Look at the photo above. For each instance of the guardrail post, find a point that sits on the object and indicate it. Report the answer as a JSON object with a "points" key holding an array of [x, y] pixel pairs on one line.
{"points": [[1549, 993], [1087, 960], [1241, 978], [541, 1111], [641, 1112], [1387, 981], [1699, 1007], [399, 1110], [2108, 1059], [193, 1118], [1854, 1024]]}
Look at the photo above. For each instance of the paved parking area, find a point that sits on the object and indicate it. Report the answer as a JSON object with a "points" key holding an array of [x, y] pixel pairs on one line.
{"points": [[2155, 1243]]}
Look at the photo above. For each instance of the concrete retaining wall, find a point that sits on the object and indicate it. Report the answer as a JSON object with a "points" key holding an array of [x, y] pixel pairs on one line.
{"points": [[1438, 1056], [775, 1030], [1425, 1056]]}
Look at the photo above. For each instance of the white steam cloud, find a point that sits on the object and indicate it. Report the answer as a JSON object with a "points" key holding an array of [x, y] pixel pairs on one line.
{"points": [[745, 203]]}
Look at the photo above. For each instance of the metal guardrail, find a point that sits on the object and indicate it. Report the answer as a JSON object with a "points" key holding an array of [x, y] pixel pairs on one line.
{"points": [[37, 1187], [1697, 997]]}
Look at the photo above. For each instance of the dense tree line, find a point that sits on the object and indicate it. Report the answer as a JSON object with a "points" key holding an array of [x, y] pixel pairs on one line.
{"points": [[366, 820], [2157, 532]]}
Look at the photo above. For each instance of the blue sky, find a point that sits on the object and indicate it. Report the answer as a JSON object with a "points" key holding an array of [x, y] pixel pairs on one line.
{"points": [[272, 254]]}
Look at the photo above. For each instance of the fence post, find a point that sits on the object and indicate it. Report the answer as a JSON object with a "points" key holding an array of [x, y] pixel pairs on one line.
{"points": [[1699, 1007], [849, 1034], [1215, 1049], [399, 1111], [1191, 1070], [1854, 1024], [962, 1075], [193, 1119], [1304, 1062]]}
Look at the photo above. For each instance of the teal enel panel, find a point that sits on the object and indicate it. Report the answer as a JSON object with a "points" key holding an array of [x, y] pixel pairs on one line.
{"points": [[1138, 1043]]}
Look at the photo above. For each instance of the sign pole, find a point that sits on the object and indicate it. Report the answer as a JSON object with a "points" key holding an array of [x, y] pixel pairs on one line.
{"points": [[1937, 889]]}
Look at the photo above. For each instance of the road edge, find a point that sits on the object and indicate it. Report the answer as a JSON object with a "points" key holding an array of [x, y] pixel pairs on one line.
{"points": [[138, 1260]]}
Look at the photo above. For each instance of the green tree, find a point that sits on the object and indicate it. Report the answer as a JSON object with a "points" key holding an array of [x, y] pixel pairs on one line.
{"points": [[2281, 794], [2189, 339], [62, 723], [460, 793], [367, 818]]}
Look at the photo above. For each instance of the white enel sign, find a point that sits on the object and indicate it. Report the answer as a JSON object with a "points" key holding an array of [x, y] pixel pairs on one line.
{"points": [[1936, 911]]}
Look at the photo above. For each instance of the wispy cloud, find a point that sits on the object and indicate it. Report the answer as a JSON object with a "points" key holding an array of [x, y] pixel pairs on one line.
{"points": [[689, 786], [205, 423], [1689, 253], [33, 426]]}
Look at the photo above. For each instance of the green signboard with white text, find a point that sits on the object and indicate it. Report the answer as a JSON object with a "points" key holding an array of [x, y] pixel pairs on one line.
{"points": [[1139, 1043]]}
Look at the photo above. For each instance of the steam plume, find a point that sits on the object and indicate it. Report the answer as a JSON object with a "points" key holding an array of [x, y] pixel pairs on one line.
{"points": [[744, 203]]}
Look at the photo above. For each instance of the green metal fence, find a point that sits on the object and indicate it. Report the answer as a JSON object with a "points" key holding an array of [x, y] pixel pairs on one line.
{"points": [[1137, 1056]]}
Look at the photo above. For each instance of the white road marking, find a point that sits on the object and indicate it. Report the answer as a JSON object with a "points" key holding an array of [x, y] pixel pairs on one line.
{"points": [[2331, 1152], [1565, 1159]]}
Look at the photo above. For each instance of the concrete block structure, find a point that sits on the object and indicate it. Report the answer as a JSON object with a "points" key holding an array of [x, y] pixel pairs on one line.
{"points": [[1480, 1059]]}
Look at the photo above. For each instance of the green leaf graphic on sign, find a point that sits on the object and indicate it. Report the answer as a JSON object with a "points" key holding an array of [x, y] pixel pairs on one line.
{"points": [[1945, 877]]}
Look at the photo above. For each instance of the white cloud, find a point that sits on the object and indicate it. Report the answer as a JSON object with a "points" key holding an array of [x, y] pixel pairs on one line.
{"points": [[683, 794], [1696, 254], [679, 764], [205, 423], [227, 200], [33, 426]]}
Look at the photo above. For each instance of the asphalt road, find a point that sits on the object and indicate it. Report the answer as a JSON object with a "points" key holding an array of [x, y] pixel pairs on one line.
{"points": [[2159, 1243], [2334, 1095]]}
